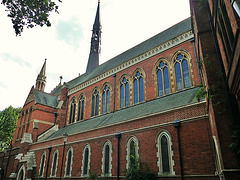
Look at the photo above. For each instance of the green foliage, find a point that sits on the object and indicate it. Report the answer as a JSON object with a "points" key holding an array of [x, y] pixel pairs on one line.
{"points": [[8, 122], [235, 146], [139, 171], [201, 93], [29, 13], [92, 175]]}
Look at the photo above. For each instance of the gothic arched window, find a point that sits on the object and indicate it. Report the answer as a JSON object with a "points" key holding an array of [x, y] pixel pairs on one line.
{"points": [[80, 108], [124, 93], [138, 88], [42, 165], [54, 163], [69, 158], [182, 71], [163, 79], [86, 160], [165, 162], [72, 111], [132, 151], [95, 102], [106, 99], [107, 159]]}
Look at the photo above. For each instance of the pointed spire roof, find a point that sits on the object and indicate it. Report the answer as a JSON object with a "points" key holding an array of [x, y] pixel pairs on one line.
{"points": [[97, 24], [41, 78], [43, 70], [93, 60]]}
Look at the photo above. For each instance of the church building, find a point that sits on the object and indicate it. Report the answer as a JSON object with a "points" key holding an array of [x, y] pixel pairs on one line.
{"points": [[154, 103]]}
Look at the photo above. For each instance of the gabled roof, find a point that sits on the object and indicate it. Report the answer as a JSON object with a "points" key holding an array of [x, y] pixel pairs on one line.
{"points": [[170, 33], [162, 104], [45, 99]]}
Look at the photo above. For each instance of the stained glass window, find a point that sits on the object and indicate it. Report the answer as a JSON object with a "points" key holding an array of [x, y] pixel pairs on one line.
{"points": [[86, 159], [72, 111], [106, 100], [163, 79], [80, 108], [138, 88], [107, 158], [95, 103], [69, 162], [124, 93], [165, 155], [182, 72], [132, 153]]}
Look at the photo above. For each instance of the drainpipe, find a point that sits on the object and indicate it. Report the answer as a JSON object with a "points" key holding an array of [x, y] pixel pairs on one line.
{"points": [[118, 136], [49, 153], [176, 124], [114, 92], [193, 41]]}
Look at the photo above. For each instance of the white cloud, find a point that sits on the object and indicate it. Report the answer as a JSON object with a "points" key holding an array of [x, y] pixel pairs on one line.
{"points": [[125, 23]]}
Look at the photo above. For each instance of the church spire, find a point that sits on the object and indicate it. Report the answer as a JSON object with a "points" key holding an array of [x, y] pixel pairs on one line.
{"points": [[93, 60], [41, 78]]}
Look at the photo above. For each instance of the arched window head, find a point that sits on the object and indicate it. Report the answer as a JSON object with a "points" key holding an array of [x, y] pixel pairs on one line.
{"points": [[106, 99], [107, 159], [86, 160], [21, 173], [54, 163], [165, 162], [138, 88], [69, 159], [124, 92], [163, 79], [81, 104], [72, 111], [95, 102], [42, 164], [132, 152], [182, 71]]}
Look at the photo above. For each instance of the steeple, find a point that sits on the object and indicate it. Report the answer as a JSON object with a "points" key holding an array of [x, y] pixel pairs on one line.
{"points": [[41, 78], [93, 60]]}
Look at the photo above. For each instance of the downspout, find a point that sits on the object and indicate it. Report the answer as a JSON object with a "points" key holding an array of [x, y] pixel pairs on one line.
{"points": [[118, 136], [176, 124], [195, 54], [49, 153], [114, 92]]}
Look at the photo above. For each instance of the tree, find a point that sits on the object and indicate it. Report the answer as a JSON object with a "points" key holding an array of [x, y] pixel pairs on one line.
{"points": [[8, 122], [29, 13]]}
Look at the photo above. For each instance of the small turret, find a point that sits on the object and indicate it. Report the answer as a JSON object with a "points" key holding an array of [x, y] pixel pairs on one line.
{"points": [[41, 79]]}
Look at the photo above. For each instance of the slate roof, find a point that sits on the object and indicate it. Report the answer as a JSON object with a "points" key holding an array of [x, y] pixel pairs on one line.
{"points": [[45, 99], [169, 102], [170, 33]]}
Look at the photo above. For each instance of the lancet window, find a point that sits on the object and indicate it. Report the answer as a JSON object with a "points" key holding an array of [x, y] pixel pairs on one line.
{"points": [[81, 103], [124, 93], [72, 111], [95, 102], [182, 71], [106, 99], [138, 88], [163, 79]]}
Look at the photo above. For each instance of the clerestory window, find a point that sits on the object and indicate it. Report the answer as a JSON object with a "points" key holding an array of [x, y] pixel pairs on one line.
{"points": [[124, 93], [106, 100], [163, 79], [138, 88]]}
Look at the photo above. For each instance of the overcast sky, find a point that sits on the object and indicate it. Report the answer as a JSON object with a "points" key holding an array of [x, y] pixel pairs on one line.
{"points": [[66, 44]]}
